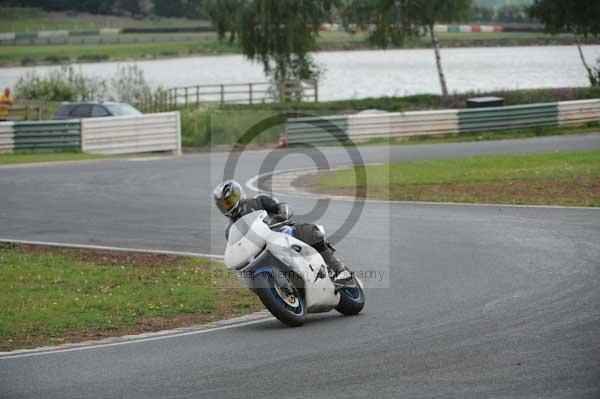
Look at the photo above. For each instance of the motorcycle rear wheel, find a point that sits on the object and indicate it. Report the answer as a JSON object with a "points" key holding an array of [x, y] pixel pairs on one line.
{"points": [[290, 308]]}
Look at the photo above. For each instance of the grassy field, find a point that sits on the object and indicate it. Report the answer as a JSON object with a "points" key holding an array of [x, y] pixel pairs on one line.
{"points": [[562, 178], [31, 19], [50, 296], [10, 55], [23, 19], [35, 157]]}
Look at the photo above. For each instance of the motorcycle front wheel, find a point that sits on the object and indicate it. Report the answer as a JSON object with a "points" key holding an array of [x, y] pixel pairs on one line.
{"points": [[280, 296], [352, 299]]}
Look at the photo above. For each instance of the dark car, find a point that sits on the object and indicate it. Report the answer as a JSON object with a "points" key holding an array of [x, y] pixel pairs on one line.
{"points": [[93, 110]]}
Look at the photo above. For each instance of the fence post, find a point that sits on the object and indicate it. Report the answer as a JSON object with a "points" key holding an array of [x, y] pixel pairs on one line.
{"points": [[316, 86], [222, 94], [281, 85], [197, 95], [250, 93], [186, 96]]}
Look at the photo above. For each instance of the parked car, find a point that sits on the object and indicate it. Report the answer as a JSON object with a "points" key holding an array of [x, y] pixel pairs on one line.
{"points": [[94, 109]]}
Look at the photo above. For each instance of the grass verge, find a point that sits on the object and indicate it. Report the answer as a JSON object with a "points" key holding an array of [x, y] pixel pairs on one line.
{"points": [[36, 157], [28, 19], [489, 136], [50, 296], [10, 55], [561, 178]]}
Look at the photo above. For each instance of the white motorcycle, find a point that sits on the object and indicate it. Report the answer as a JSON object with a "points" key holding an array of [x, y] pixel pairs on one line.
{"points": [[289, 276]]}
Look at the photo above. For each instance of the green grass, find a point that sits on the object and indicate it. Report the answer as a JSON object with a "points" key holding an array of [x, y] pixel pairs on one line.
{"points": [[560, 178], [33, 54], [489, 136], [21, 19], [35, 157], [334, 40], [474, 169], [45, 296], [36, 24]]}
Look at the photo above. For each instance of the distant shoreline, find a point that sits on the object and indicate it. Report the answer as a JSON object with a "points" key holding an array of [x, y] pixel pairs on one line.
{"points": [[328, 47]]}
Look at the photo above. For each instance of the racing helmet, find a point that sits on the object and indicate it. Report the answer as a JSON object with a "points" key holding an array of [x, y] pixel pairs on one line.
{"points": [[228, 197]]}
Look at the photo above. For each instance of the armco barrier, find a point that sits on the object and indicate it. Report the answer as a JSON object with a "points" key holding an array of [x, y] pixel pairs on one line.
{"points": [[7, 36], [47, 135], [109, 31], [578, 112], [132, 134], [507, 118], [362, 127], [43, 34], [329, 129], [6, 137], [365, 127]]}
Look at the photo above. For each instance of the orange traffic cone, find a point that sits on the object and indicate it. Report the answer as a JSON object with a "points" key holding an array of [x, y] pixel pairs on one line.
{"points": [[282, 141]]}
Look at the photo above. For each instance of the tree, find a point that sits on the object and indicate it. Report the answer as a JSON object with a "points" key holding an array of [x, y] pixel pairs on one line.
{"points": [[395, 19], [428, 12], [178, 8], [280, 34], [386, 20], [223, 14], [582, 17], [481, 14], [513, 13]]}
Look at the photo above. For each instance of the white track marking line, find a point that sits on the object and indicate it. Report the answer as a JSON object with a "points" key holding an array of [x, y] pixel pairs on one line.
{"points": [[252, 184], [135, 341], [109, 248]]}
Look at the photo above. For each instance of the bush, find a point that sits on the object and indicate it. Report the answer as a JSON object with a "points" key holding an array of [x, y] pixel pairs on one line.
{"points": [[130, 85], [70, 84], [56, 59], [594, 74], [93, 57], [65, 84], [27, 61]]}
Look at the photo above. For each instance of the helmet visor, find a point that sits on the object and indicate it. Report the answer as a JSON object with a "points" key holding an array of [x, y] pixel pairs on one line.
{"points": [[229, 202]]}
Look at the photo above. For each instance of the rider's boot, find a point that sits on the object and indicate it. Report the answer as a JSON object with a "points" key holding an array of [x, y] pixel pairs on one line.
{"points": [[312, 235], [340, 273]]}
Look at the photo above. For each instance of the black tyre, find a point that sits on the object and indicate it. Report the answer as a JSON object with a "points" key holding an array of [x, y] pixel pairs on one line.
{"points": [[352, 299], [284, 302]]}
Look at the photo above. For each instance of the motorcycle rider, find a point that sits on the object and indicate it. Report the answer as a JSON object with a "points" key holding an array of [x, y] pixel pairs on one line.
{"points": [[233, 203]]}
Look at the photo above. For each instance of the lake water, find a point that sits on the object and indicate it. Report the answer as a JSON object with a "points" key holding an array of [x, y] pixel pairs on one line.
{"points": [[360, 74]]}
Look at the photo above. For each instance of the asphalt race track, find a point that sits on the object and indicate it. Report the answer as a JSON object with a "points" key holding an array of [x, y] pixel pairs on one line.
{"points": [[475, 301]]}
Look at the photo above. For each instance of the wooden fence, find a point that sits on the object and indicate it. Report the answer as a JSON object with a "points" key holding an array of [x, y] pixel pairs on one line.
{"points": [[25, 112], [242, 93]]}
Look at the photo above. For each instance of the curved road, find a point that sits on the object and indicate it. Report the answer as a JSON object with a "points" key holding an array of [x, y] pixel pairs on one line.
{"points": [[475, 301]]}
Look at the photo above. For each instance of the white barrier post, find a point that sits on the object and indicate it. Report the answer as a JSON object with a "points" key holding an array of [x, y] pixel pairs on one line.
{"points": [[178, 118]]}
